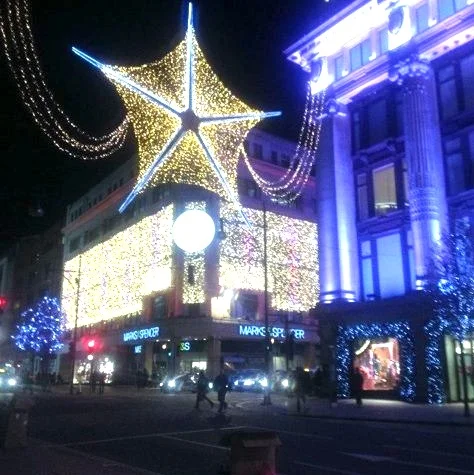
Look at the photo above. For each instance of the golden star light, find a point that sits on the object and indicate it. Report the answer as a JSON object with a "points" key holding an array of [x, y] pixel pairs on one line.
{"points": [[188, 124]]}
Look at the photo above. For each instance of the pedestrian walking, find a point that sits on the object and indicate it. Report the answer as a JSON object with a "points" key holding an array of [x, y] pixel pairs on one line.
{"points": [[300, 388], [101, 382], [357, 385], [221, 385], [202, 387]]}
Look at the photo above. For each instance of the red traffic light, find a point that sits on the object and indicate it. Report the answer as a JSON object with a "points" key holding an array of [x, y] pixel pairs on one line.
{"points": [[3, 302], [91, 344]]}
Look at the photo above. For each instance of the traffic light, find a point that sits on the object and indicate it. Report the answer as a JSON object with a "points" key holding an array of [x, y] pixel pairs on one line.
{"points": [[91, 345], [3, 303]]}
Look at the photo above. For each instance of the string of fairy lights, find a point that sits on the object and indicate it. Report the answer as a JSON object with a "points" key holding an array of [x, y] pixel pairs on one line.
{"points": [[139, 263], [25, 66], [291, 184], [208, 158]]}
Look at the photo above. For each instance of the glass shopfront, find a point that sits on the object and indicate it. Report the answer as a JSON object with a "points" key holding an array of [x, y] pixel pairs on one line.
{"points": [[454, 352], [378, 359]]}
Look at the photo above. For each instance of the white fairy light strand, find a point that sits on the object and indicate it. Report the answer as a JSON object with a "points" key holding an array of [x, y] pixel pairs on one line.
{"points": [[53, 121], [288, 187]]}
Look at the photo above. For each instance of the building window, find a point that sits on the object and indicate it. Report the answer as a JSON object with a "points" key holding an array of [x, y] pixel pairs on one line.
{"points": [[446, 8], [285, 161], [422, 16], [454, 166], [467, 74], [385, 196], [360, 54], [160, 307], [383, 40], [390, 266], [377, 121], [248, 188], [74, 244], [246, 306], [362, 199], [257, 151], [338, 67], [448, 92], [356, 131]]}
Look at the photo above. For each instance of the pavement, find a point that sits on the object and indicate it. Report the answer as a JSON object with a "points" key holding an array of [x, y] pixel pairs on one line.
{"points": [[42, 458]]}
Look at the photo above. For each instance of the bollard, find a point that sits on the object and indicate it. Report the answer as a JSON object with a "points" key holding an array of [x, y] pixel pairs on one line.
{"points": [[17, 426], [253, 453]]}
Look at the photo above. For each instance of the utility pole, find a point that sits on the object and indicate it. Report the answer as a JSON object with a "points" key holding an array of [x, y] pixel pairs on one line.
{"points": [[74, 334], [266, 398]]}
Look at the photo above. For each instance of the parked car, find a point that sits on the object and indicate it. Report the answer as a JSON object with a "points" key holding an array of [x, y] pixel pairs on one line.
{"points": [[249, 380], [181, 383], [8, 380]]}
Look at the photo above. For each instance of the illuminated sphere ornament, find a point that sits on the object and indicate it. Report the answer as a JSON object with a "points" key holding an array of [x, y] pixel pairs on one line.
{"points": [[193, 230]]}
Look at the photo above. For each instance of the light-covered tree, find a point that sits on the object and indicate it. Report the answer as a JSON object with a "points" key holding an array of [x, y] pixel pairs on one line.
{"points": [[452, 291]]}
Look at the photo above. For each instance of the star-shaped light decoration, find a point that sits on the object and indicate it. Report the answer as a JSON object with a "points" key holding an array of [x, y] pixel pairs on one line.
{"points": [[187, 123]]}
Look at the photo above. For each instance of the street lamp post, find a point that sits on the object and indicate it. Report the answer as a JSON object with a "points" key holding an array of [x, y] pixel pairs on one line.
{"points": [[266, 398], [74, 333]]}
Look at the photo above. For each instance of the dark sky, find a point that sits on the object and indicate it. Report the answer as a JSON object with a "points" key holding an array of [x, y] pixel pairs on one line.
{"points": [[243, 41]]}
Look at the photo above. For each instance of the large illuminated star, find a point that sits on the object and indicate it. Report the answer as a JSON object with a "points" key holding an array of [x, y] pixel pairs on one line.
{"points": [[187, 123]]}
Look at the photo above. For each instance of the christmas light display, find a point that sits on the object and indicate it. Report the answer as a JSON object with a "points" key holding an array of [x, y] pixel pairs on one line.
{"points": [[20, 51], [41, 327], [138, 263], [452, 293], [399, 330], [292, 260], [194, 278], [187, 123], [291, 184]]}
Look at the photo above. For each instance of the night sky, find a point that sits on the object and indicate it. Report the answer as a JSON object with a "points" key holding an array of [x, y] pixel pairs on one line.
{"points": [[243, 41]]}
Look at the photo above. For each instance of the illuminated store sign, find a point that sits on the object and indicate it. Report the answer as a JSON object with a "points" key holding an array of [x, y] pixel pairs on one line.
{"points": [[141, 334], [274, 332], [185, 346]]}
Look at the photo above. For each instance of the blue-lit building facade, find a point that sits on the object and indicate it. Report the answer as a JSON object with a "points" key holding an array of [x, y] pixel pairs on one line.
{"points": [[394, 172]]}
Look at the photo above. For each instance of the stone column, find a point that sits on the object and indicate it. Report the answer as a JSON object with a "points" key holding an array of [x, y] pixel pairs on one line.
{"points": [[337, 233], [424, 159]]}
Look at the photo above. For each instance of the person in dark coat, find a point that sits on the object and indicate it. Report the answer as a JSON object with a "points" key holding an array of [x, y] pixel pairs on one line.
{"points": [[300, 387], [202, 387], [221, 384], [357, 385]]}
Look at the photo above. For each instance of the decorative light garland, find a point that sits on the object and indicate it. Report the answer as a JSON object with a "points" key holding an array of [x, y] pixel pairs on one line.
{"points": [[20, 51], [291, 184], [399, 330], [41, 327], [292, 260]]}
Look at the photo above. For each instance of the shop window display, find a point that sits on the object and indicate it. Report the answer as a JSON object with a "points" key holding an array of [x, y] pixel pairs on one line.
{"points": [[379, 361]]}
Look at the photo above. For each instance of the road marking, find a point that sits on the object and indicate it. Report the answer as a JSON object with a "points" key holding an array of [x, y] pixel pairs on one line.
{"points": [[328, 469], [144, 436], [436, 452], [193, 442], [105, 462], [204, 430], [434, 467], [369, 457], [302, 434]]}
